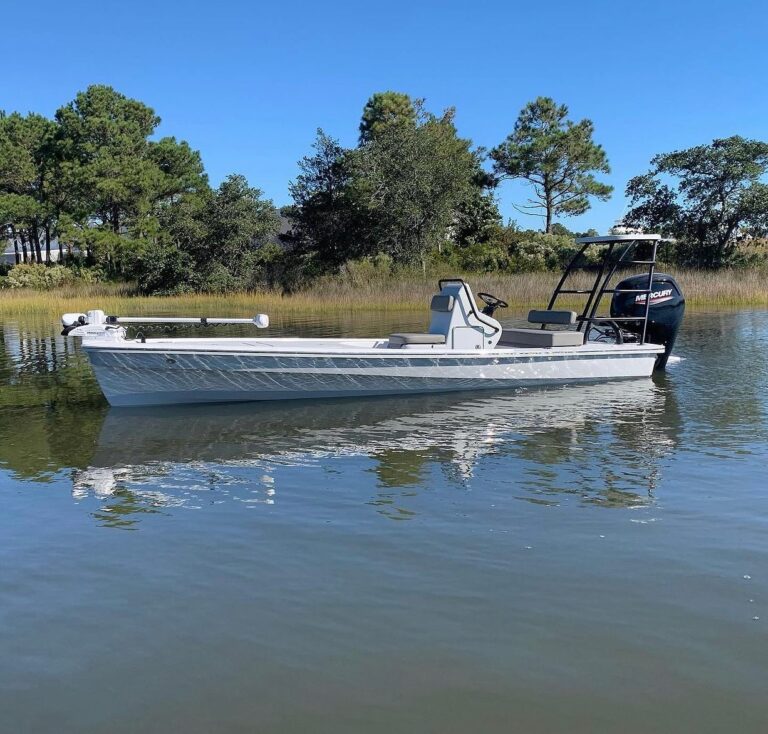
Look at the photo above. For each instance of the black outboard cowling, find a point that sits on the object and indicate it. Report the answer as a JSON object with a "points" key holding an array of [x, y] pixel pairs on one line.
{"points": [[665, 313]]}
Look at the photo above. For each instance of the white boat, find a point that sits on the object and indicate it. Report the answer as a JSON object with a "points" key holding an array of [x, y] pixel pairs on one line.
{"points": [[464, 348]]}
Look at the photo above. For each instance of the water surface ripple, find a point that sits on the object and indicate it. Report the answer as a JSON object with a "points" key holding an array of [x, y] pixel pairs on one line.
{"points": [[577, 559]]}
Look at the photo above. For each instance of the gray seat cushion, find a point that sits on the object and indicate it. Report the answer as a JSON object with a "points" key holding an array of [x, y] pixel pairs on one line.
{"points": [[442, 303], [398, 340], [564, 318], [540, 338]]}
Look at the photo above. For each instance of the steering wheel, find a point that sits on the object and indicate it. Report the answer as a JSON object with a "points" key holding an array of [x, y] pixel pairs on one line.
{"points": [[605, 331], [491, 303]]}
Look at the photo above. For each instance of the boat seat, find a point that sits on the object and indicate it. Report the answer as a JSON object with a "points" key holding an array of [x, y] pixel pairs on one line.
{"points": [[442, 303], [540, 338], [399, 340], [563, 318]]}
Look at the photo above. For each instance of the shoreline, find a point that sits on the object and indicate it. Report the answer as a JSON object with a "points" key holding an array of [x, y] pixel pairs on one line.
{"points": [[742, 288]]}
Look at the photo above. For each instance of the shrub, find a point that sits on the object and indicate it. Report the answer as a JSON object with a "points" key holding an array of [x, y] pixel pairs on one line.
{"points": [[376, 268], [269, 266], [38, 277], [752, 252], [166, 270], [87, 274], [529, 256], [530, 251], [219, 278], [478, 258]]}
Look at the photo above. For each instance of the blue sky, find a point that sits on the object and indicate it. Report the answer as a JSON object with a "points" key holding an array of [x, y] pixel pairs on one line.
{"points": [[248, 83]]}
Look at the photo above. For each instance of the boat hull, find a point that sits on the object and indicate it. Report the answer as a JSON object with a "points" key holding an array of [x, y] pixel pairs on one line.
{"points": [[136, 377]]}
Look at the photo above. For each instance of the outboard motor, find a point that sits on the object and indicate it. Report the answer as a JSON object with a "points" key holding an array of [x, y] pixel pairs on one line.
{"points": [[665, 313]]}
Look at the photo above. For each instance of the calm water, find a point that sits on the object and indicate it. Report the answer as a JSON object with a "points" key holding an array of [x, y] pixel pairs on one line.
{"points": [[589, 559]]}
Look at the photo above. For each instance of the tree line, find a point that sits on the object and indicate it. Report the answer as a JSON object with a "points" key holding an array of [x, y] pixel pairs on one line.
{"points": [[122, 204]]}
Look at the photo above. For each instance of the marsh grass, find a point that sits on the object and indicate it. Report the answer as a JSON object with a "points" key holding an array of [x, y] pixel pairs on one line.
{"points": [[370, 291]]}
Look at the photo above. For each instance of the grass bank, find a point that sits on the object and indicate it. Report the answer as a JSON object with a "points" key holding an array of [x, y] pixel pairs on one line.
{"points": [[726, 288]]}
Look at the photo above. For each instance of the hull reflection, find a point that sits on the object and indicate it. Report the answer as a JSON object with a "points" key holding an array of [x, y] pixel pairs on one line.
{"points": [[610, 437]]}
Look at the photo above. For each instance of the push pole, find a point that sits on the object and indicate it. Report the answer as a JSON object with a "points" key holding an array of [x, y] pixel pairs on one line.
{"points": [[260, 320]]}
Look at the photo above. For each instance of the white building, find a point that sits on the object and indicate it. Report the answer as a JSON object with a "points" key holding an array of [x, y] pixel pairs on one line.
{"points": [[9, 254]]}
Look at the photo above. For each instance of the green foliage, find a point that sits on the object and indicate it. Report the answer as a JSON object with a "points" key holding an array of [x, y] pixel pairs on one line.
{"points": [[87, 274], [25, 143], [179, 170], [476, 218], [400, 193], [93, 178], [126, 205], [531, 251], [27, 179], [239, 220], [41, 277], [560, 229], [130, 206], [385, 110], [167, 270], [363, 271], [512, 250], [413, 191], [557, 157], [410, 181], [38, 277], [214, 242], [104, 143], [478, 257], [718, 200], [269, 266], [327, 221], [117, 178]]}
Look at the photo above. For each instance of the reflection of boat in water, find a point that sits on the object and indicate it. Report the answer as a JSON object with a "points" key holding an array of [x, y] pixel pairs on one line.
{"points": [[586, 427]]}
